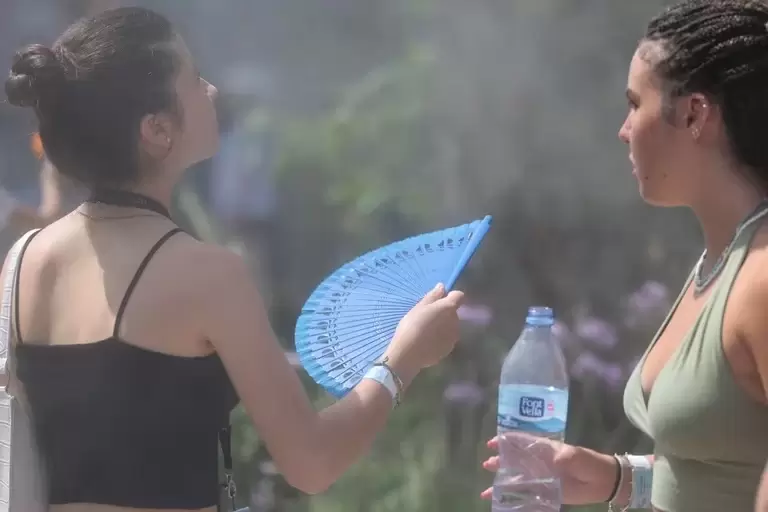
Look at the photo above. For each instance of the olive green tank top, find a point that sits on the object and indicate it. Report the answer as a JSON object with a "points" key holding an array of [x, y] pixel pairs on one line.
{"points": [[711, 438]]}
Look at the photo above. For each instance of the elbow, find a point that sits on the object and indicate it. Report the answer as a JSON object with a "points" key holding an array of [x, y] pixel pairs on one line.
{"points": [[310, 475], [311, 486]]}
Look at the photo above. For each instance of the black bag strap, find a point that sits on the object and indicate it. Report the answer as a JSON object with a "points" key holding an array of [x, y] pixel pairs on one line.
{"points": [[225, 440]]}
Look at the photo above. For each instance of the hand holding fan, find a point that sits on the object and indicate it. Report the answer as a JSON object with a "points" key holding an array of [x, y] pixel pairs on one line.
{"points": [[349, 319]]}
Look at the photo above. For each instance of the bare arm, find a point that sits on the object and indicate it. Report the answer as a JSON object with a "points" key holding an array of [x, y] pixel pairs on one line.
{"points": [[761, 503], [311, 449], [754, 332], [587, 477]]}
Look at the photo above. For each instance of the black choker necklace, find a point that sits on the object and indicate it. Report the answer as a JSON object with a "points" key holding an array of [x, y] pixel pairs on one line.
{"points": [[126, 199]]}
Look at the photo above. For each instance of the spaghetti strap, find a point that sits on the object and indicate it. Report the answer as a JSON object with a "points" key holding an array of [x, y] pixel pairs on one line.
{"points": [[137, 276], [16, 287]]}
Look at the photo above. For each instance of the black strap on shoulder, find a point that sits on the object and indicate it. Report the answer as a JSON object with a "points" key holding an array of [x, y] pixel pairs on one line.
{"points": [[16, 281], [137, 276], [225, 434]]}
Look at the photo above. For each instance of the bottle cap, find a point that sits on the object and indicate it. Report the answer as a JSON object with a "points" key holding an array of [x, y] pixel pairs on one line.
{"points": [[540, 316]]}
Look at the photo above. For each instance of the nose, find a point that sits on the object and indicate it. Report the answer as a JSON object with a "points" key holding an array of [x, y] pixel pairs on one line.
{"points": [[625, 130]]}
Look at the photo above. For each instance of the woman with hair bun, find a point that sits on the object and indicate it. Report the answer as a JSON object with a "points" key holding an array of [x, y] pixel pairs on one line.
{"points": [[133, 340]]}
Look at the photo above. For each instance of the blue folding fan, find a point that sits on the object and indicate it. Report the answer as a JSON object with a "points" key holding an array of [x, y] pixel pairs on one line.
{"points": [[350, 318]]}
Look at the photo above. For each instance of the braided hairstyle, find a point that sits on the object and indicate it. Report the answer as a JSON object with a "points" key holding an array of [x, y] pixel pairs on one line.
{"points": [[718, 48]]}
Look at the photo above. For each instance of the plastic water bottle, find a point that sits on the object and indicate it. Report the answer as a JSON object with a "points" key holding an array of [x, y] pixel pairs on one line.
{"points": [[532, 409]]}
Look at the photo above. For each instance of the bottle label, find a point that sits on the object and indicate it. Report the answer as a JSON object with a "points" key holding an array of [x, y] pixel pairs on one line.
{"points": [[536, 409]]}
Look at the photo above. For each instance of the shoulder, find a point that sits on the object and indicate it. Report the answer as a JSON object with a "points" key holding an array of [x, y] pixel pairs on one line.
{"points": [[204, 264], [752, 284], [749, 294], [218, 288], [214, 275], [749, 302], [210, 285]]}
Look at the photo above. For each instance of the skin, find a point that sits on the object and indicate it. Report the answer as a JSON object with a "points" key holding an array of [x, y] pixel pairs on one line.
{"points": [[195, 298], [761, 503], [680, 158]]}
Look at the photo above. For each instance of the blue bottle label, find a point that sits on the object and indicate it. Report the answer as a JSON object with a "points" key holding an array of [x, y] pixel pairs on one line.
{"points": [[535, 409]]}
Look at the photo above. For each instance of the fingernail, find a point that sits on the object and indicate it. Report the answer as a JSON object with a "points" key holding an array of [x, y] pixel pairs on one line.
{"points": [[438, 288]]}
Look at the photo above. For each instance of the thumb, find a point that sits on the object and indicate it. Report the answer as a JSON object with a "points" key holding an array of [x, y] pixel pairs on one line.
{"points": [[434, 294], [455, 298]]}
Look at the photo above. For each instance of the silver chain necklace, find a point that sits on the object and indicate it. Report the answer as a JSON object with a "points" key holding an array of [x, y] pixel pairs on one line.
{"points": [[700, 282]]}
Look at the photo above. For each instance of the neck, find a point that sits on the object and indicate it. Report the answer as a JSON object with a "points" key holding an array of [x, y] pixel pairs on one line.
{"points": [[721, 211], [161, 193]]}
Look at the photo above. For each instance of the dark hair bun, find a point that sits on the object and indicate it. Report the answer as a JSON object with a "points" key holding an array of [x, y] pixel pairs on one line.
{"points": [[36, 72]]}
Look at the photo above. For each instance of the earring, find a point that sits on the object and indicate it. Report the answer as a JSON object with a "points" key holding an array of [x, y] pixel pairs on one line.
{"points": [[695, 133]]}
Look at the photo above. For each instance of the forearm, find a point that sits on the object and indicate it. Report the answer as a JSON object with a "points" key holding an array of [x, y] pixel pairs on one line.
{"points": [[625, 490], [346, 430], [603, 471]]}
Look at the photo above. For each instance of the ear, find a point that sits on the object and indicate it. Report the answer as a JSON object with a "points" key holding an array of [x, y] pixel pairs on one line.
{"points": [[693, 113], [156, 135]]}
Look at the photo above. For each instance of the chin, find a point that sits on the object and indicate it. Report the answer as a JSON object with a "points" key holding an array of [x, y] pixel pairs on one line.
{"points": [[651, 195], [653, 202], [656, 199]]}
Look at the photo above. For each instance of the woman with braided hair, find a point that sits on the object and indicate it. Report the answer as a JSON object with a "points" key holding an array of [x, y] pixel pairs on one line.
{"points": [[698, 103]]}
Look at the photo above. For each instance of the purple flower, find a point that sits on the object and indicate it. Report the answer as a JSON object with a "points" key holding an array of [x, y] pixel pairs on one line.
{"points": [[477, 315], [588, 365], [646, 304], [464, 393], [596, 332], [563, 334]]}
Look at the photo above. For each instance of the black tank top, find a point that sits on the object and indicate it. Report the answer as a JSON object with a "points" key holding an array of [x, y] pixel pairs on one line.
{"points": [[121, 425]]}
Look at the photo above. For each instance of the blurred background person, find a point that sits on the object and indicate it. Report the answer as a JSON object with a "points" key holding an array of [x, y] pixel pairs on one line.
{"points": [[20, 217]]}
